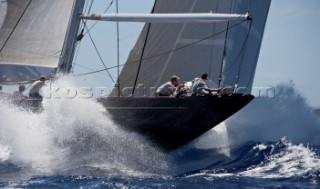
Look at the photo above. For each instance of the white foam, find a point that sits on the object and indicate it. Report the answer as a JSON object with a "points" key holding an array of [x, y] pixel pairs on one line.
{"points": [[73, 133], [4, 153], [294, 160], [215, 138]]}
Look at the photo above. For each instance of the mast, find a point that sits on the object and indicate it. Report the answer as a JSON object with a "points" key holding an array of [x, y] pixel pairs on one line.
{"points": [[71, 37]]}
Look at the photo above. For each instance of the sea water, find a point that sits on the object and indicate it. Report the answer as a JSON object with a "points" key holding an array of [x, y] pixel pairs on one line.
{"points": [[73, 143]]}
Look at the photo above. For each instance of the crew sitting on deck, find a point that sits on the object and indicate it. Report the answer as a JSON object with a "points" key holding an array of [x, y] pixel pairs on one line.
{"points": [[200, 87], [35, 88], [19, 93], [182, 90], [168, 88]]}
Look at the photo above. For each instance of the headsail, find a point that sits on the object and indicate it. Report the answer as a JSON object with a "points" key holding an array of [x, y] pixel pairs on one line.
{"points": [[243, 45], [189, 49], [33, 35]]}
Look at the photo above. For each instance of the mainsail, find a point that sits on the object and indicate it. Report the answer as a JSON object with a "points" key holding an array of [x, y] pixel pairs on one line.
{"points": [[36, 37], [227, 51]]}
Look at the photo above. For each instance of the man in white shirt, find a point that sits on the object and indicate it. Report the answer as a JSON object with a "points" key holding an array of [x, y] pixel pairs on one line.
{"points": [[168, 88], [35, 88], [200, 87]]}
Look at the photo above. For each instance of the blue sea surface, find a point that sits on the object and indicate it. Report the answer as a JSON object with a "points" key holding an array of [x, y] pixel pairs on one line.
{"points": [[271, 143], [253, 165]]}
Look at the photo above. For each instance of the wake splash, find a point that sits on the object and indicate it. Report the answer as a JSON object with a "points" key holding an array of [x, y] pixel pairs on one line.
{"points": [[71, 136]]}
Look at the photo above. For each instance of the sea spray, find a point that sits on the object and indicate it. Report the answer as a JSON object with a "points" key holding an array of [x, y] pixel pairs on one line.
{"points": [[4, 153], [270, 118], [22, 132], [71, 135]]}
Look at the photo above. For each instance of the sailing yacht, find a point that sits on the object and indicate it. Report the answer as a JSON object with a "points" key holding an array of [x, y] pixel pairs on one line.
{"points": [[184, 38]]}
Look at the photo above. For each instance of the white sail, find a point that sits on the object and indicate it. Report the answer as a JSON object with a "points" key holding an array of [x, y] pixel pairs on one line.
{"points": [[243, 45], [32, 37], [190, 49]]}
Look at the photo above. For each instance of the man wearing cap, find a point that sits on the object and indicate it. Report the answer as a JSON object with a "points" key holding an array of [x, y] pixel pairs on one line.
{"points": [[35, 88], [200, 87], [168, 88]]}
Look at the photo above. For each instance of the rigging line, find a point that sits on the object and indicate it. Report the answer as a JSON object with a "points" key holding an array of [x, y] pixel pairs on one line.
{"points": [[92, 71], [242, 50], [88, 9], [85, 6], [90, 6], [223, 54], [175, 44], [253, 70], [99, 55], [142, 53], [88, 73], [212, 48], [25, 10], [85, 67], [96, 22], [167, 52], [80, 36], [234, 62], [76, 57], [187, 45], [222, 57], [118, 51], [141, 59]]}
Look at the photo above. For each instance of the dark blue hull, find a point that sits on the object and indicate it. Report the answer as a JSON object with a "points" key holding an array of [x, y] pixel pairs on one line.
{"points": [[173, 122]]}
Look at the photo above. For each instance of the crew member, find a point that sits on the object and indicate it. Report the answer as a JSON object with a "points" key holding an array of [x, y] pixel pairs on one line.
{"points": [[35, 88], [200, 87], [19, 93], [168, 88]]}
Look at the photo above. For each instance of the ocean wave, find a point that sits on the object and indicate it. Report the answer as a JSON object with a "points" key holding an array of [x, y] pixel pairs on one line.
{"points": [[272, 160]]}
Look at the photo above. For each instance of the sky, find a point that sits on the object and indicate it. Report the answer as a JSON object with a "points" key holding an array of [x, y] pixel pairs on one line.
{"points": [[289, 53]]}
